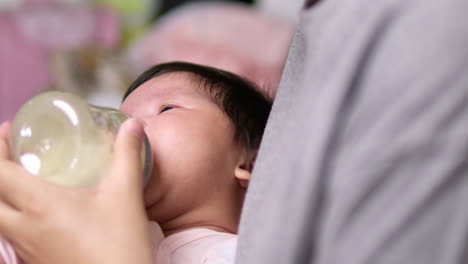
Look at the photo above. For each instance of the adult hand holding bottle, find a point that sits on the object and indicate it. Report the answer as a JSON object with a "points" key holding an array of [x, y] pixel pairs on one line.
{"points": [[48, 223]]}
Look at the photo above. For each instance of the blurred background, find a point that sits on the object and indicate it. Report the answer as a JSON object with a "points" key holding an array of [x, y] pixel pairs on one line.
{"points": [[96, 48]]}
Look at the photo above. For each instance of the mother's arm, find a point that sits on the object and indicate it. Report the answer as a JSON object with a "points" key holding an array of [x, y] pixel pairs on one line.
{"points": [[48, 223]]}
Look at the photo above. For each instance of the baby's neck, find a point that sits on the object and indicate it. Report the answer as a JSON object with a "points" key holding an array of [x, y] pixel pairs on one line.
{"points": [[170, 231], [220, 215], [217, 220]]}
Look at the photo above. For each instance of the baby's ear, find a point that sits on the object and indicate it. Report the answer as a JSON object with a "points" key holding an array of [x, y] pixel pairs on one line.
{"points": [[244, 169]]}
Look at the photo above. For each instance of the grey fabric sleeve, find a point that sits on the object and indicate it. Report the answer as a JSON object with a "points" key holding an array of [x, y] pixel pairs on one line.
{"points": [[365, 156]]}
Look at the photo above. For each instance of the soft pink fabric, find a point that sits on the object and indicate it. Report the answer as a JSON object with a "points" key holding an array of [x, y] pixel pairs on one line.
{"points": [[7, 253], [230, 36], [58, 28], [23, 68], [197, 246]]}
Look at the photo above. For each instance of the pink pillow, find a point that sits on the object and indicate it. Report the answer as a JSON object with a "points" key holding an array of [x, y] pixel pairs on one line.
{"points": [[23, 69], [230, 36]]}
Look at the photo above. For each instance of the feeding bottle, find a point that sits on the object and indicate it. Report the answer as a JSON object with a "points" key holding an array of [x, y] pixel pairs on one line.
{"points": [[62, 139]]}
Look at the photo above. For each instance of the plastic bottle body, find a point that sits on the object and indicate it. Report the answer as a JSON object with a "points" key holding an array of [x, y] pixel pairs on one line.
{"points": [[62, 139]]}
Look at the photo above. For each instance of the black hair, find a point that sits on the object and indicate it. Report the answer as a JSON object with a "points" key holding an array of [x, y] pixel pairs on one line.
{"points": [[240, 99]]}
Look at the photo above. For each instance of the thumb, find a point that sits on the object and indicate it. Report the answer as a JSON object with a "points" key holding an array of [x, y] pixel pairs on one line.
{"points": [[125, 174]]}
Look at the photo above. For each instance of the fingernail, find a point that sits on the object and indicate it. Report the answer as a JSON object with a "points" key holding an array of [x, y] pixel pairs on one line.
{"points": [[135, 127]]}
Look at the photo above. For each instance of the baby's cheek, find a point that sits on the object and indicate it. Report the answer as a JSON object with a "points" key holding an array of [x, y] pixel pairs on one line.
{"points": [[150, 193], [183, 150]]}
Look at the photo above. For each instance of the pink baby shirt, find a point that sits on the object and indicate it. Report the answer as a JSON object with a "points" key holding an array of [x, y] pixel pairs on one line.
{"points": [[197, 246]]}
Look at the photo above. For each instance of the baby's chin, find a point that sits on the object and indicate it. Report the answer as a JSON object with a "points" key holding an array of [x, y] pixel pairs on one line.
{"points": [[148, 216], [149, 209]]}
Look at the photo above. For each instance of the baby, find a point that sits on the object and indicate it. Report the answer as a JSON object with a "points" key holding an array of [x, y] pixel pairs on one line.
{"points": [[205, 126]]}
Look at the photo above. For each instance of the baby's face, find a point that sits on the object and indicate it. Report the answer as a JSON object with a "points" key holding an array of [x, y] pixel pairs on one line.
{"points": [[192, 141]]}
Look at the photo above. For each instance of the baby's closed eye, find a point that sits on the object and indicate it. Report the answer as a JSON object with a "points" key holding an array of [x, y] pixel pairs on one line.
{"points": [[167, 108]]}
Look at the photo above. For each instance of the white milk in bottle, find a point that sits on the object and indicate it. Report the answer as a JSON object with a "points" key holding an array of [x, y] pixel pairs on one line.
{"points": [[60, 138]]}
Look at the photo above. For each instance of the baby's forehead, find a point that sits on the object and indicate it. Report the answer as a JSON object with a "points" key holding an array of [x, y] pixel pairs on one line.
{"points": [[173, 83]]}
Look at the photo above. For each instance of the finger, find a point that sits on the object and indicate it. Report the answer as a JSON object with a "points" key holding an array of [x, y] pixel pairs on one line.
{"points": [[8, 218], [4, 134], [17, 187], [125, 174]]}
